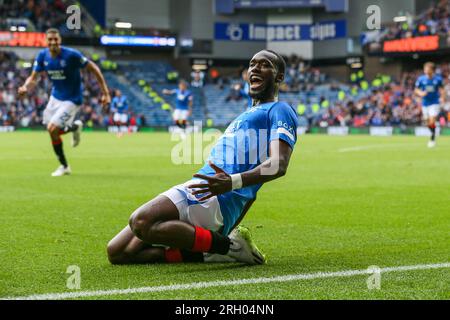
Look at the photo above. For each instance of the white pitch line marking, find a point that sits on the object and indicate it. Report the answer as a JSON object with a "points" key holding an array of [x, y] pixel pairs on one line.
{"points": [[223, 283]]}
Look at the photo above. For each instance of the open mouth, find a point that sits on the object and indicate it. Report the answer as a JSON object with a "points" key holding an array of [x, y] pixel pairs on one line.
{"points": [[256, 82]]}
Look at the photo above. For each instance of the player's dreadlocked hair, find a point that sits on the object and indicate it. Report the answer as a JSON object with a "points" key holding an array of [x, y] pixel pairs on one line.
{"points": [[280, 63]]}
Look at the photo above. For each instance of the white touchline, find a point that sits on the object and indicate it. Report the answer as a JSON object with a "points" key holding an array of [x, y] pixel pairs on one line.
{"points": [[223, 283]]}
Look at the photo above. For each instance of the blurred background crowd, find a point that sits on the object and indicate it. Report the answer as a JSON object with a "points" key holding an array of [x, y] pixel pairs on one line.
{"points": [[318, 97]]}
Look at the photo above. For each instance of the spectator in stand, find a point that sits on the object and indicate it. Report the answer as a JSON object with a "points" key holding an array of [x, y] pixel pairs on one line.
{"points": [[197, 79], [434, 21], [235, 93], [214, 75]]}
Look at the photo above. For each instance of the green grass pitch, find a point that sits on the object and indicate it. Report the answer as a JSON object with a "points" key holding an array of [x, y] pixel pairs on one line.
{"points": [[346, 203]]}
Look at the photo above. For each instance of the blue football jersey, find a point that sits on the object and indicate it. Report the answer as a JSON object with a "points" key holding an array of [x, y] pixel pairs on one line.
{"points": [[183, 98], [431, 86], [119, 104], [64, 72], [245, 145]]}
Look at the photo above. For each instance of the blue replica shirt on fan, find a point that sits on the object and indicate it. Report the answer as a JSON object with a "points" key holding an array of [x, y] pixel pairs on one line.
{"points": [[431, 86], [119, 104], [64, 72], [244, 146], [183, 98]]}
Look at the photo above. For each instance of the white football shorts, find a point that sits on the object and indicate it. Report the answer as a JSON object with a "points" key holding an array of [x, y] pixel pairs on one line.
{"points": [[430, 111], [180, 115], [120, 117], [60, 113], [205, 214]]}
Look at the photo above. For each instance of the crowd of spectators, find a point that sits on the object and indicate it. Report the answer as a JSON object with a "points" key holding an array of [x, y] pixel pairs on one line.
{"points": [[383, 101], [378, 104], [389, 104], [300, 76], [12, 110], [434, 21], [43, 14]]}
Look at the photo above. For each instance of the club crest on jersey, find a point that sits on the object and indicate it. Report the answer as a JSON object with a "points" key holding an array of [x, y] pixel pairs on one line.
{"points": [[430, 88], [63, 63]]}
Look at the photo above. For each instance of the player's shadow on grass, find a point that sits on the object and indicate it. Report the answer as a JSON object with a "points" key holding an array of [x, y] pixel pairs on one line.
{"points": [[193, 267], [208, 267]]}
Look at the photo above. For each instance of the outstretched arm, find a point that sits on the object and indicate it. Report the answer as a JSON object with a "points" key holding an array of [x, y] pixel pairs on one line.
{"points": [[274, 167], [168, 92], [93, 68], [29, 84], [271, 169], [443, 95]]}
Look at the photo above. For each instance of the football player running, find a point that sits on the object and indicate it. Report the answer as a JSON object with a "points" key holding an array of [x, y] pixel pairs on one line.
{"points": [[429, 87], [63, 67]]}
